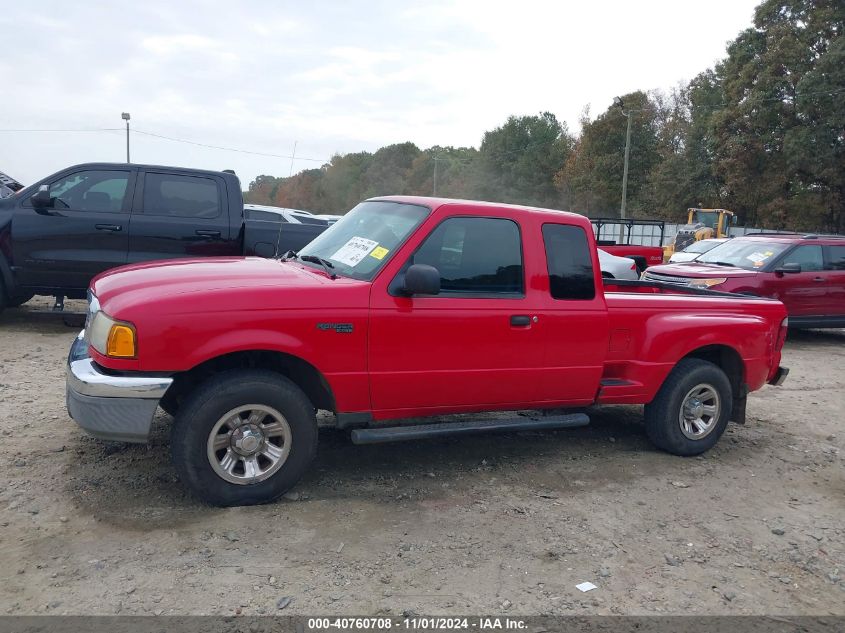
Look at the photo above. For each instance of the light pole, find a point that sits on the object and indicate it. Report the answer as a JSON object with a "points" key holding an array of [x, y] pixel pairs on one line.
{"points": [[618, 101], [125, 117]]}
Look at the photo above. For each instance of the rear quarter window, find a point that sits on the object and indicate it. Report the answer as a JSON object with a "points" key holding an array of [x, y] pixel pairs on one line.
{"points": [[569, 262]]}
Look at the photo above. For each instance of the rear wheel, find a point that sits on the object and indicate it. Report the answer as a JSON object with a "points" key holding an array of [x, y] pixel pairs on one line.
{"points": [[691, 410], [244, 437]]}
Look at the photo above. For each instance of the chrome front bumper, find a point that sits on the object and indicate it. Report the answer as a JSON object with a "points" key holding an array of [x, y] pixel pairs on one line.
{"points": [[119, 408]]}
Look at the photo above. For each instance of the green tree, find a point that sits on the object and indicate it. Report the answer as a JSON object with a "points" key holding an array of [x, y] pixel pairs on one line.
{"points": [[387, 172], [262, 190], [456, 168], [761, 153], [343, 184], [591, 179], [518, 161], [301, 191], [683, 176]]}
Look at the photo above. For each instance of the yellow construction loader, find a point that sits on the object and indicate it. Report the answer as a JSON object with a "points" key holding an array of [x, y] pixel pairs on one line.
{"points": [[702, 224]]}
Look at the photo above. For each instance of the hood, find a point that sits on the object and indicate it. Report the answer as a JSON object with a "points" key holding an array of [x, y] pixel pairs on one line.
{"points": [[214, 285], [700, 269]]}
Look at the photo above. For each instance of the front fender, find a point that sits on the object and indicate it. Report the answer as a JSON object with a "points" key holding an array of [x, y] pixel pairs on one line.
{"points": [[252, 340]]}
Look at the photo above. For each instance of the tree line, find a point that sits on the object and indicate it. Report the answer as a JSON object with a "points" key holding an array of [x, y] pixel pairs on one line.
{"points": [[761, 133]]}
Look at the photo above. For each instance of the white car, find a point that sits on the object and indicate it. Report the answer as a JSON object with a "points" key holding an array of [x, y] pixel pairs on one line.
{"points": [[696, 250], [614, 267], [291, 216]]}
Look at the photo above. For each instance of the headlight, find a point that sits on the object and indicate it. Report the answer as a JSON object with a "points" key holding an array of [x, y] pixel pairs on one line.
{"points": [[112, 338], [706, 283]]}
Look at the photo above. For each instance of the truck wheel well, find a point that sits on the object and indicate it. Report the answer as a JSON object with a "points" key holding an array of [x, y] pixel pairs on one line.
{"points": [[730, 362], [726, 358], [303, 374]]}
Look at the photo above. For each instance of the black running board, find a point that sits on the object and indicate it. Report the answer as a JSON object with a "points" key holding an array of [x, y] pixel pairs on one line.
{"points": [[424, 431]]}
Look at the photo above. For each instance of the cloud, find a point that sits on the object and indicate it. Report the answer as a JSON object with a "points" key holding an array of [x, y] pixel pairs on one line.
{"points": [[332, 76]]}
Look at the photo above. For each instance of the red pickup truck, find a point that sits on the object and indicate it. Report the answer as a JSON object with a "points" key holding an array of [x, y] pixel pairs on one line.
{"points": [[407, 307]]}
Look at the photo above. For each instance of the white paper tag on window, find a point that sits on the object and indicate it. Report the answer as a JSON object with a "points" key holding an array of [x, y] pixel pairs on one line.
{"points": [[356, 249]]}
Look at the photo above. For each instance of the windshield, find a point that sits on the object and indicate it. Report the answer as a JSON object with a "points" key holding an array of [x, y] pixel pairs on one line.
{"points": [[748, 254], [701, 247], [364, 239], [707, 218]]}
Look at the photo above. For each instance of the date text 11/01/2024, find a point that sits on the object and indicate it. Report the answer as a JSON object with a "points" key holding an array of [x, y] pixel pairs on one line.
{"points": [[417, 623]]}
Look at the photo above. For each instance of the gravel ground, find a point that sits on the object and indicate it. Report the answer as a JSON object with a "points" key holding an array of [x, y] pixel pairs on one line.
{"points": [[488, 524]]}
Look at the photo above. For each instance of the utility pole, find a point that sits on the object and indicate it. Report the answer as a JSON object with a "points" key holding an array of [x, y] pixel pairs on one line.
{"points": [[618, 102], [435, 177], [292, 158], [125, 117]]}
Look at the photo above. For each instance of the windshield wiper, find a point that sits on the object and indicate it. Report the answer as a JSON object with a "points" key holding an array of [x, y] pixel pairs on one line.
{"points": [[287, 256], [326, 264], [722, 264]]}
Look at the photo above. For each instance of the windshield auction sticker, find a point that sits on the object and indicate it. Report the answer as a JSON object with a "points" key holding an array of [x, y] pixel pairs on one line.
{"points": [[759, 258], [356, 249], [379, 252]]}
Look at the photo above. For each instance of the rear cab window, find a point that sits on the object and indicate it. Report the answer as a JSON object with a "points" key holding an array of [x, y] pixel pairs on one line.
{"points": [[181, 196], [569, 261]]}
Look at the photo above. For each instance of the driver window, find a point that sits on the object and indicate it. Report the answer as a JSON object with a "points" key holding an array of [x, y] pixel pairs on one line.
{"points": [[475, 256], [102, 191], [810, 258]]}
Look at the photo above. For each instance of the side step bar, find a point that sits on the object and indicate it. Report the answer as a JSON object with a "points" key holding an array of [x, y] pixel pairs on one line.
{"points": [[424, 431]]}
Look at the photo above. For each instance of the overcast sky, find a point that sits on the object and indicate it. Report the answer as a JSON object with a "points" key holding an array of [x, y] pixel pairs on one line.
{"points": [[331, 76]]}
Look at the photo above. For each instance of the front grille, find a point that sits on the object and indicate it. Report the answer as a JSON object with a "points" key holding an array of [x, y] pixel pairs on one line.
{"points": [[666, 279]]}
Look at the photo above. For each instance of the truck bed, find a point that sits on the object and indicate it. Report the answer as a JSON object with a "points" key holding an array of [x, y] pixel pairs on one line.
{"points": [[657, 287]]}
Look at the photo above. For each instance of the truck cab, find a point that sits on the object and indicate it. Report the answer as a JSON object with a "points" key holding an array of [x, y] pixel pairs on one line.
{"points": [[407, 307], [58, 234]]}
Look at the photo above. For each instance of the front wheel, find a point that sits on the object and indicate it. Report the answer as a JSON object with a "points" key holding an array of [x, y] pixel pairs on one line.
{"points": [[244, 437], [691, 410]]}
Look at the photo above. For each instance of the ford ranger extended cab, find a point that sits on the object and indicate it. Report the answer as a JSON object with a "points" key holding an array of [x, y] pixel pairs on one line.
{"points": [[59, 233], [406, 307]]}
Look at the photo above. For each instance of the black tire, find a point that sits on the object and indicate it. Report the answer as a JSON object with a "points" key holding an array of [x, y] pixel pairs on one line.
{"points": [[663, 414], [14, 302], [207, 404], [169, 404], [3, 298]]}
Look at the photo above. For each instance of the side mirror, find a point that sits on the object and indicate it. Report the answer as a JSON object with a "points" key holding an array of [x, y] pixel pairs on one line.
{"points": [[421, 279], [787, 269], [41, 199]]}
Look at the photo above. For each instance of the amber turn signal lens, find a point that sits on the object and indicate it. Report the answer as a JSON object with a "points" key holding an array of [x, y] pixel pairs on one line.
{"points": [[121, 342]]}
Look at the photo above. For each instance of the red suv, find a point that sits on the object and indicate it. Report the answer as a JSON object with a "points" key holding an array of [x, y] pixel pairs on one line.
{"points": [[805, 272]]}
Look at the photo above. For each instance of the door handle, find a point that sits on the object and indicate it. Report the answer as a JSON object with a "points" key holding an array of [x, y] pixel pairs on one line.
{"points": [[818, 279], [520, 320], [108, 227], [208, 234]]}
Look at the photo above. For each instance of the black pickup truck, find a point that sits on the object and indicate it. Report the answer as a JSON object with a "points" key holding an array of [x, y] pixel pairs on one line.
{"points": [[60, 232]]}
